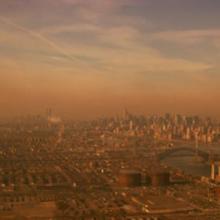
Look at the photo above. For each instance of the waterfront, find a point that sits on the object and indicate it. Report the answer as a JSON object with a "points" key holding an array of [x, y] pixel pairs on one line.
{"points": [[187, 162]]}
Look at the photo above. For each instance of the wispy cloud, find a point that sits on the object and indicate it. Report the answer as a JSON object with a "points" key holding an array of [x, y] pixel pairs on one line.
{"points": [[120, 49], [38, 36], [187, 36]]}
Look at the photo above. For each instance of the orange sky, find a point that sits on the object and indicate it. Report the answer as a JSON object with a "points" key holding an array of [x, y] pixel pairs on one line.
{"points": [[86, 59]]}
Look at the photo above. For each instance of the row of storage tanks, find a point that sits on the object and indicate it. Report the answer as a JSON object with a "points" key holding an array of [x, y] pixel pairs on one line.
{"points": [[136, 178]]}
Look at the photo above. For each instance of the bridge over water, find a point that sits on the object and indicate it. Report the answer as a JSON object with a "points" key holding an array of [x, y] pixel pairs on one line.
{"points": [[206, 156]]}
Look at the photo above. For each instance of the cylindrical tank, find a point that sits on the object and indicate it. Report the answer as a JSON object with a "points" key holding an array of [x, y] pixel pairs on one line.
{"points": [[129, 179], [147, 180], [160, 179], [217, 193]]}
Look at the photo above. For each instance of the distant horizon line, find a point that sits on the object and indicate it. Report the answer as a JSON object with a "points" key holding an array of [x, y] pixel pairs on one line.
{"points": [[112, 115]]}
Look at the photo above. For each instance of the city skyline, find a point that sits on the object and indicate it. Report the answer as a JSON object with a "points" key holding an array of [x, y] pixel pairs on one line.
{"points": [[90, 58]]}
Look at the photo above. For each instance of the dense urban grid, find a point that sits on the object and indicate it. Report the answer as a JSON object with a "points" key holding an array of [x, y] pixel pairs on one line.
{"points": [[109, 168]]}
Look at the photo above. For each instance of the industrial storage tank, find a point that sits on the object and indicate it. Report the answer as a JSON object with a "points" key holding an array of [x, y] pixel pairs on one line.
{"points": [[129, 179], [216, 192], [160, 179], [147, 180]]}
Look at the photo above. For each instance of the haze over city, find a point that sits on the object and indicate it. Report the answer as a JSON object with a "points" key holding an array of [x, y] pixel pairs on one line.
{"points": [[109, 110], [97, 57]]}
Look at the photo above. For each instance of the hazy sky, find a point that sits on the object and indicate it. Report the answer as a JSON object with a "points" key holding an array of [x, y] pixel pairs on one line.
{"points": [[86, 58]]}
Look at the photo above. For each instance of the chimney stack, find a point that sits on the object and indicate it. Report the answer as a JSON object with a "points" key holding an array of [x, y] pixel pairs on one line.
{"points": [[213, 170]]}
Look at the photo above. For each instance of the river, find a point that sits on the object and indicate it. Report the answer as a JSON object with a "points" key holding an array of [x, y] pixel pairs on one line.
{"points": [[187, 162]]}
